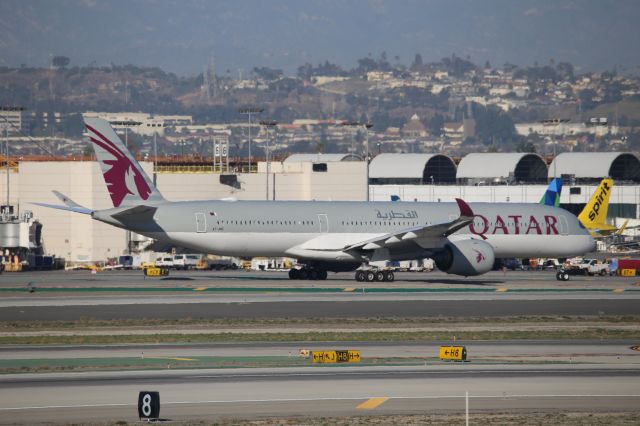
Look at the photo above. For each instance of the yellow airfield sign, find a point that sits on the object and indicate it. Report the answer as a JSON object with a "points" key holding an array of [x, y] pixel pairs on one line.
{"points": [[332, 357]]}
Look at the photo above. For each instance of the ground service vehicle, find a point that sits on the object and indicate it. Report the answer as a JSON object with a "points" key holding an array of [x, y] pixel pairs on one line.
{"points": [[586, 267], [186, 261], [165, 262]]}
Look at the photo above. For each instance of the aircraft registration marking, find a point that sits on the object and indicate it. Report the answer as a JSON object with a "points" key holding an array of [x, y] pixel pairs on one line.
{"points": [[372, 403]]}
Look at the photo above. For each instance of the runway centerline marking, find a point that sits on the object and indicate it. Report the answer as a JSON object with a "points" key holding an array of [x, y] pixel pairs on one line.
{"points": [[372, 403]]}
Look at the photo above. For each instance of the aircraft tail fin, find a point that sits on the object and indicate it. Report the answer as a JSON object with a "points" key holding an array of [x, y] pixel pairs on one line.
{"points": [[595, 212], [552, 196], [126, 181]]}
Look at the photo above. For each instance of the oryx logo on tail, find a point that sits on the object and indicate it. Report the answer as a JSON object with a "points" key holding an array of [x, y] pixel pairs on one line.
{"points": [[126, 181]]}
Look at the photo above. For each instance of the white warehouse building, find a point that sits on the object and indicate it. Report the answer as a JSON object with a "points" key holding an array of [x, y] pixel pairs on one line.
{"points": [[410, 177]]}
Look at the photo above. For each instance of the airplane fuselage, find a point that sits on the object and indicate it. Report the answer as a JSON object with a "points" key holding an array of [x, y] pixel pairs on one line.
{"points": [[321, 230]]}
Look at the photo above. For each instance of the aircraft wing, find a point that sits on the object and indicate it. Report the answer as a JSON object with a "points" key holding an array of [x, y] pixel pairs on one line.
{"points": [[433, 231]]}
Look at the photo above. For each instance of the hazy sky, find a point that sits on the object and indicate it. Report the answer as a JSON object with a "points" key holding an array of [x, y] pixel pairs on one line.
{"points": [[181, 35]]}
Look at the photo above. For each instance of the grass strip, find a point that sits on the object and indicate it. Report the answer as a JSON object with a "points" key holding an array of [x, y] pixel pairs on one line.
{"points": [[527, 418], [155, 363], [358, 336], [17, 325]]}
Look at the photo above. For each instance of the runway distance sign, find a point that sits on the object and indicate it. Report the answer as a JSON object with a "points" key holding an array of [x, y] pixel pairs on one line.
{"points": [[453, 353], [332, 357], [148, 405]]}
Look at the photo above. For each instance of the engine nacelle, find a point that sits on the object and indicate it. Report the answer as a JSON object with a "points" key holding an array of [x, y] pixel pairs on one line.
{"points": [[465, 257]]}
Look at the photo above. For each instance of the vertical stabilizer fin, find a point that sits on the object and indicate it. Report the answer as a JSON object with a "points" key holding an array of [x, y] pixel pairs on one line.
{"points": [[594, 213], [551, 196], [127, 183]]}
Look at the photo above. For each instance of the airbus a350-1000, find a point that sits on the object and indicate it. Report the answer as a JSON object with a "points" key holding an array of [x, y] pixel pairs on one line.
{"points": [[333, 236]]}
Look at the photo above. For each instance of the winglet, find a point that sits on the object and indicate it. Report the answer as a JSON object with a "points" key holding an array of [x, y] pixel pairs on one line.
{"points": [[465, 210]]}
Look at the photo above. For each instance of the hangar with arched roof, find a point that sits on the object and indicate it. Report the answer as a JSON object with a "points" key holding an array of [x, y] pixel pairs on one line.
{"points": [[591, 167], [321, 158], [412, 169], [501, 168]]}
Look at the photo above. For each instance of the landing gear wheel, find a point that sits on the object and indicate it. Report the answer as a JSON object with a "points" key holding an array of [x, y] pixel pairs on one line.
{"points": [[294, 274], [380, 276], [322, 275], [313, 274], [371, 276], [303, 274], [361, 276], [389, 276]]}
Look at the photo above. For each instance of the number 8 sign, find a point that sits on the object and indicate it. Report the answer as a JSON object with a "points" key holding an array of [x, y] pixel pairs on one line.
{"points": [[148, 405]]}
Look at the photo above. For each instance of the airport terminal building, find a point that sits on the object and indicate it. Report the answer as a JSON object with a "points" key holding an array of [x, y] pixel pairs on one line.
{"points": [[490, 177]]}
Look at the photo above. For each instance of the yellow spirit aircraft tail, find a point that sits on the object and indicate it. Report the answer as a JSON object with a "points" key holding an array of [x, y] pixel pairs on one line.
{"points": [[594, 213]]}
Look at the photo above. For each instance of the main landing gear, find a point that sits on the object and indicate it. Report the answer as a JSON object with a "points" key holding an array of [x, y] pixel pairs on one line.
{"points": [[307, 274], [371, 275]]}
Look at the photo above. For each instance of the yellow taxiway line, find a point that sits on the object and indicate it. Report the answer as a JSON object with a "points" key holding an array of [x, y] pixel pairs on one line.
{"points": [[372, 403]]}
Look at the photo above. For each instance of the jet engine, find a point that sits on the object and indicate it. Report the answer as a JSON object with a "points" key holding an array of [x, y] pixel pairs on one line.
{"points": [[465, 257]]}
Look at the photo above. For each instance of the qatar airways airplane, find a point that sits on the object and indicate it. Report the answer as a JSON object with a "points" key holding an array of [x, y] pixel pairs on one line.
{"points": [[463, 239]]}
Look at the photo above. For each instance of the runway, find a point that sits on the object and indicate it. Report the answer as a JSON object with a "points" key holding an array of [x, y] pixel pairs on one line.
{"points": [[319, 391], [394, 378], [172, 309], [238, 294]]}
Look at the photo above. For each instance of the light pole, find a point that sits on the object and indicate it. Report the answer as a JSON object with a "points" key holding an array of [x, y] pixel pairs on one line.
{"points": [[555, 122], [8, 124], [248, 111], [155, 159], [270, 124], [366, 126]]}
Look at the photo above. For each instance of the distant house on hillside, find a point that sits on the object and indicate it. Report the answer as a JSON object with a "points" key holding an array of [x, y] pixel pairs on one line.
{"points": [[414, 128]]}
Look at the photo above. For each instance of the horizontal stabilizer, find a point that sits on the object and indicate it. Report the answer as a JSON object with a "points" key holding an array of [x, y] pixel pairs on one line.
{"points": [[78, 209], [69, 204]]}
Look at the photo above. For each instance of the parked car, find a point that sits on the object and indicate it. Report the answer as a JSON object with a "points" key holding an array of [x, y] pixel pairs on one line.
{"points": [[512, 264]]}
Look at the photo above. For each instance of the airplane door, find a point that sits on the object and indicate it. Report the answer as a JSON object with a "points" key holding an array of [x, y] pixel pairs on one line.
{"points": [[564, 225], [324, 222], [201, 222]]}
